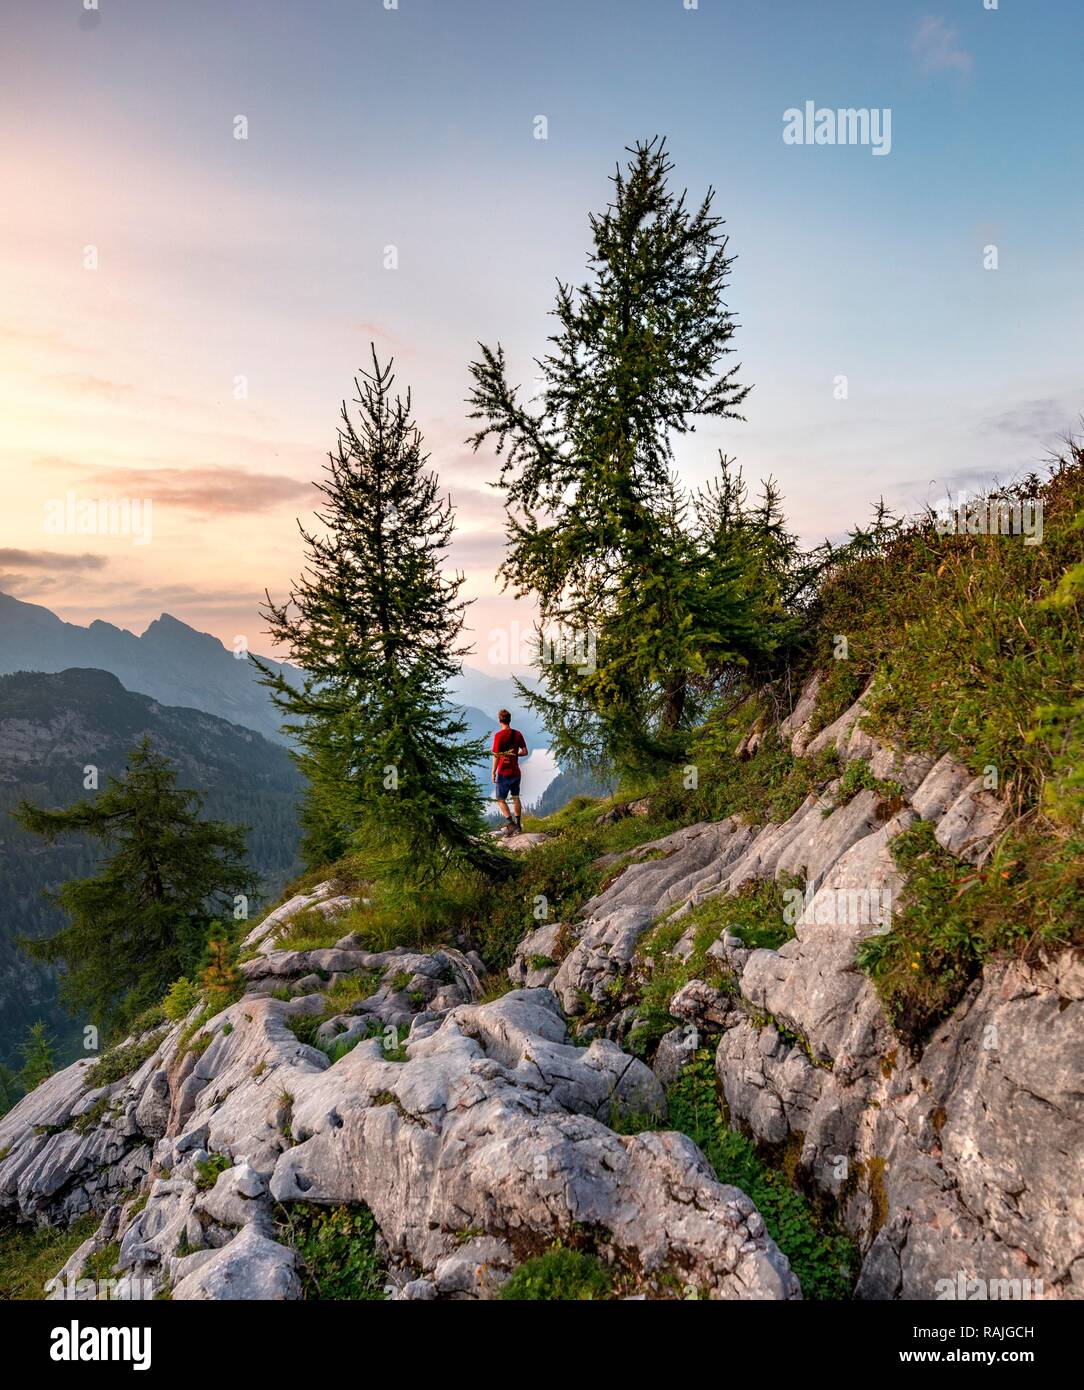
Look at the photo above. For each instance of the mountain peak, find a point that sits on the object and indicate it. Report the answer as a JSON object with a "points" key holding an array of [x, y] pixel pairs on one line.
{"points": [[171, 662], [167, 629]]}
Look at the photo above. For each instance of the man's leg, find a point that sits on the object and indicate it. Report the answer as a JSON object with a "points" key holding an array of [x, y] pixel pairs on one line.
{"points": [[516, 811], [502, 793]]}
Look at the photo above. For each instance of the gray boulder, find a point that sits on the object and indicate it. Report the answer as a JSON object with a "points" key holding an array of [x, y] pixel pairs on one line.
{"points": [[250, 1267]]}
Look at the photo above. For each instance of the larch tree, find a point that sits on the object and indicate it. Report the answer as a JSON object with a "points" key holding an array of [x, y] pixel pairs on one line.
{"points": [[376, 624], [141, 920], [596, 520]]}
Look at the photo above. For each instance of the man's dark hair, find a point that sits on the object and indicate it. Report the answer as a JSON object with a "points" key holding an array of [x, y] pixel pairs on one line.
{"points": [[504, 716]]}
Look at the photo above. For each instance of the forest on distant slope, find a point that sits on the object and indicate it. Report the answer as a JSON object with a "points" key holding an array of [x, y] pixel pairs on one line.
{"points": [[52, 727]]}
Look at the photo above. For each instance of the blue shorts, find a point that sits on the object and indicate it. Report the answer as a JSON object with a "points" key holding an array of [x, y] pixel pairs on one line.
{"points": [[507, 786]]}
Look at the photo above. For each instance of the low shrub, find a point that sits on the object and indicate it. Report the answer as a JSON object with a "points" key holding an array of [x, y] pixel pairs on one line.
{"points": [[123, 1059], [337, 1251], [953, 917], [181, 998], [209, 1169], [559, 1275]]}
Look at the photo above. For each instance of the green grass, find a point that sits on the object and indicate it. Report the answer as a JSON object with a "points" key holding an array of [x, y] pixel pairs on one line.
{"points": [[823, 1258], [91, 1118], [310, 930], [552, 881], [559, 1275], [755, 913], [209, 1169], [337, 1252], [31, 1256], [350, 989], [120, 1061], [337, 1000], [339, 1047], [842, 681], [304, 1026], [559, 876], [953, 918], [102, 1263], [149, 1019], [971, 639], [858, 776], [185, 1041], [498, 916], [769, 786]]}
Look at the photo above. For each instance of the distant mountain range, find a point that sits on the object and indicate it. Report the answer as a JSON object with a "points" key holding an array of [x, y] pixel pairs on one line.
{"points": [[177, 665], [51, 727], [171, 662], [566, 785]]}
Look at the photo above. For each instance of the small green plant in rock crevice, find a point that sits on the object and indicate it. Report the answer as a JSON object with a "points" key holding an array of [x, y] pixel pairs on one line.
{"points": [[953, 917], [90, 1119], [559, 1276], [858, 776], [338, 1256], [208, 1170], [823, 1258], [121, 1061], [756, 913]]}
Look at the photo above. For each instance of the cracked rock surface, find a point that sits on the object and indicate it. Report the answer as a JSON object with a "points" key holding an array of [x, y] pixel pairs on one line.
{"points": [[493, 1123], [495, 1133]]}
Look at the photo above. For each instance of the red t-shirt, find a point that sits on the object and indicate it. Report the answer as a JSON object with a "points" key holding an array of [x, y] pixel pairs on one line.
{"points": [[507, 745]]}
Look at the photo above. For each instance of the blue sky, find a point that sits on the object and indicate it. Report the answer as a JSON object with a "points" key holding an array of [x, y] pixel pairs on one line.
{"points": [[413, 127]]}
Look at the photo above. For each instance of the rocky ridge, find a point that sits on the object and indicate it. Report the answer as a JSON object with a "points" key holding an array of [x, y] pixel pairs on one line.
{"points": [[475, 1141], [964, 1160], [487, 1132]]}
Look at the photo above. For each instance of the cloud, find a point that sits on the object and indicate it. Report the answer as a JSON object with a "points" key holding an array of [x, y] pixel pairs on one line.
{"points": [[50, 560], [27, 586], [378, 334], [474, 504], [936, 48], [86, 384], [35, 337], [473, 550], [208, 491], [1032, 420]]}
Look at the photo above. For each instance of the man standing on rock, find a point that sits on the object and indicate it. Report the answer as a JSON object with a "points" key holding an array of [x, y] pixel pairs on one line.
{"points": [[508, 747]]}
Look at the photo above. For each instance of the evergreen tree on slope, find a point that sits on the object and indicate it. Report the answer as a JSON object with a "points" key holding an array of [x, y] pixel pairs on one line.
{"points": [[376, 625], [141, 919], [596, 522]]}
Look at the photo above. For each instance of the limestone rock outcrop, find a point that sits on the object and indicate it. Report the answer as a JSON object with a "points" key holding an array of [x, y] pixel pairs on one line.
{"points": [[968, 1158], [485, 1119], [479, 1132]]}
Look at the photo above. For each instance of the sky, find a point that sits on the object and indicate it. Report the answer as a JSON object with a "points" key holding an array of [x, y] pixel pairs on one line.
{"points": [[182, 310]]}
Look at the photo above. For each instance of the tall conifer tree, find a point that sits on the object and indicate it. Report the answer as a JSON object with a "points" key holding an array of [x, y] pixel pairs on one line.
{"points": [[376, 624], [595, 519], [141, 920]]}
